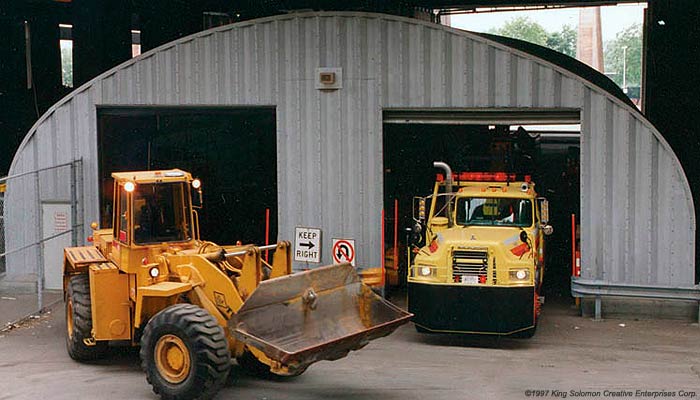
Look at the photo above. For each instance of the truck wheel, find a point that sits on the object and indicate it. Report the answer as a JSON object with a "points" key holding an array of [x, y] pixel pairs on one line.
{"points": [[79, 321], [184, 353], [252, 366]]}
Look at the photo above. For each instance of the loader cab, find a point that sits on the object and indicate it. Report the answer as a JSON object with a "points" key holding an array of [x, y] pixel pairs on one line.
{"points": [[152, 211], [161, 213]]}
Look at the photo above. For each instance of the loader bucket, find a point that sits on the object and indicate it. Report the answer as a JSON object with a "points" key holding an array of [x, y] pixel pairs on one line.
{"points": [[315, 315]]}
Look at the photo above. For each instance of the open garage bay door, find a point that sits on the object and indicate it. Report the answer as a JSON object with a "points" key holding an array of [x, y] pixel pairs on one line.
{"points": [[483, 116], [231, 149], [544, 143]]}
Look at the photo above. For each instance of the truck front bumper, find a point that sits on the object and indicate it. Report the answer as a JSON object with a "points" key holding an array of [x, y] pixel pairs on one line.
{"points": [[496, 310]]}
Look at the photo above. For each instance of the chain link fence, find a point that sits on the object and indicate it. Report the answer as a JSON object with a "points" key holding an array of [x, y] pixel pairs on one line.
{"points": [[2, 227], [41, 212]]}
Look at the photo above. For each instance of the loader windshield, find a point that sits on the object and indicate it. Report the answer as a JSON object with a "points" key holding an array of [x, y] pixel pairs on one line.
{"points": [[494, 211], [161, 213]]}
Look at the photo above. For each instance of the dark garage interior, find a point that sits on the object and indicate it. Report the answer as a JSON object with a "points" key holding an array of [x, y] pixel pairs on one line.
{"points": [[232, 150], [551, 158]]}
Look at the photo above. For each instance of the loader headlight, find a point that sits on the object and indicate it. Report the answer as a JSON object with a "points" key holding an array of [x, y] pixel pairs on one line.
{"points": [[196, 184], [129, 186], [425, 271], [154, 272], [519, 274]]}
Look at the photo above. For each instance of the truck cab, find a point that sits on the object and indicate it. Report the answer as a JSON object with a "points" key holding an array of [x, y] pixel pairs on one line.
{"points": [[479, 255]]}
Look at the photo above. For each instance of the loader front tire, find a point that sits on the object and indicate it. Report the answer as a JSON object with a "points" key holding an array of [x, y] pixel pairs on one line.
{"points": [[184, 353], [79, 341]]}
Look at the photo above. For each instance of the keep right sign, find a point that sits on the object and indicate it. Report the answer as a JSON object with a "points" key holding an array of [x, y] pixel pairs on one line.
{"points": [[307, 244], [343, 251]]}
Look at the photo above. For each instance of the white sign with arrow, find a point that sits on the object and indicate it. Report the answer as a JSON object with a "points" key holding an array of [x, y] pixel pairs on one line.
{"points": [[307, 244]]}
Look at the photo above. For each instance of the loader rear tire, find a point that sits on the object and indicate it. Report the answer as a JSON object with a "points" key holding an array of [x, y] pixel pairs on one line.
{"points": [[79, 321], [184, 353], [254, 367]]}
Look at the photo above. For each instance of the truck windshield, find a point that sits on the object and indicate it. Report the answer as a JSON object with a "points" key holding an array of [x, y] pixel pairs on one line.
{"points": [[494, 211], [161, 213]]}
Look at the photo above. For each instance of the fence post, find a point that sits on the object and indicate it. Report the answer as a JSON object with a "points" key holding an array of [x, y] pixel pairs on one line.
{"points": [[39, 245], [73, 204], [80, 206]]}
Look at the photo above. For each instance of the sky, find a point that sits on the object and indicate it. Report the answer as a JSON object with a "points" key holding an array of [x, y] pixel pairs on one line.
{"points": [[614, 18]]}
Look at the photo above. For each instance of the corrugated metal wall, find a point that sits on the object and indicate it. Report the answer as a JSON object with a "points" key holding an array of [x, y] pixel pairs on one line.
{"points": [[637, 212]]}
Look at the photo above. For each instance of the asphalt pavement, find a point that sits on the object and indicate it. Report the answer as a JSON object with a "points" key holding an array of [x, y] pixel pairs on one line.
{"points": [[569, 355]]}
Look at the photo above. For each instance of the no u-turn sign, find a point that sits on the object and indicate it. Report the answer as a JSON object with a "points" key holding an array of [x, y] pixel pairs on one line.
{"points": [[343, 251]]}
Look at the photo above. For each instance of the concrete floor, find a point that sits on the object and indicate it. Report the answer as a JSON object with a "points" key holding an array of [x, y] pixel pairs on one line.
{"points": [[16, 306], [568, 353]]}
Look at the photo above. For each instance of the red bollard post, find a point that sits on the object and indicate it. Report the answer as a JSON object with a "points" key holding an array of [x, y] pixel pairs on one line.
{"points": [[573, 244], [267, 234], [396, 234]]}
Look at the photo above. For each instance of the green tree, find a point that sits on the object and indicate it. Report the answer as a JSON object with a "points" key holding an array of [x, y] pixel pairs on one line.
{"points": [[625, 53], [563, 41], [67, 63], [524, 28]]}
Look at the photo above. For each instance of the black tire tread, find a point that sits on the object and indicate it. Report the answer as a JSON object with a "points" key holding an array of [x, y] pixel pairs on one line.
{"points": [[252, 366], [79, 294], [206, 338], [256, 368]]}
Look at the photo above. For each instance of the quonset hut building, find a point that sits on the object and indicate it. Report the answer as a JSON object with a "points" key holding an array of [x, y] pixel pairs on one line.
{"points": [[638, 223]]}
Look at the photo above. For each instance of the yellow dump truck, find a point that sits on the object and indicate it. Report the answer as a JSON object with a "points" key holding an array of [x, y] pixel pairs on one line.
{"points": [[193, 306], [479, 257]]}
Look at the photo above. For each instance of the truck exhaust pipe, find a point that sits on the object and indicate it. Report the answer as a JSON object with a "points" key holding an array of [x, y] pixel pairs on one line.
{"points": [[448, 188]]}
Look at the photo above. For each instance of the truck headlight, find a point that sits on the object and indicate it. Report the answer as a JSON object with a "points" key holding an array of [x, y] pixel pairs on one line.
{"points": [[423, 271], [519, 274]]}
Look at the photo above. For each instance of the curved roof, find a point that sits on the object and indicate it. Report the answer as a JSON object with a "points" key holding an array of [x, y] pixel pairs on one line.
{"points": [[574, 67], [637, 208], [568, 63]]}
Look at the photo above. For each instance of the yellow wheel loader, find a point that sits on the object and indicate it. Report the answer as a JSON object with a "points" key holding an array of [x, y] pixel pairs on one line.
{"points": [[193, 305]]}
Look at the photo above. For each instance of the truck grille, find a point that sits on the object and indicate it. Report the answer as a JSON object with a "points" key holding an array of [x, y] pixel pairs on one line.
{"points": [[470, 266]]}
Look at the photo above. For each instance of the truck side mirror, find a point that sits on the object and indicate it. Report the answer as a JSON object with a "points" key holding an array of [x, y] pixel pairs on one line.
{"points": [[421, 209], [417, 227], [544, 210], [412, 237], [547, 229]]}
